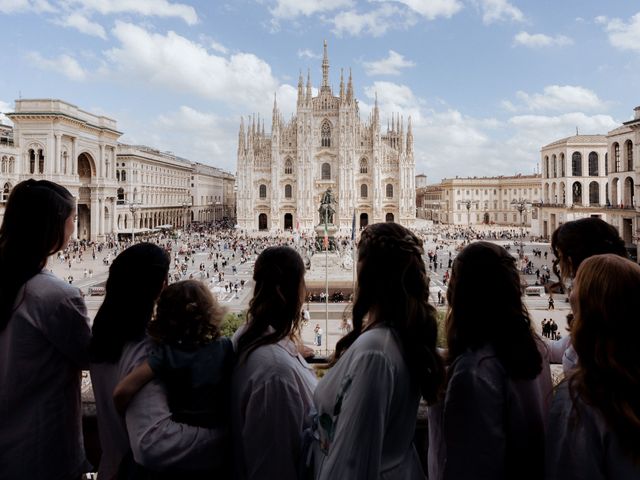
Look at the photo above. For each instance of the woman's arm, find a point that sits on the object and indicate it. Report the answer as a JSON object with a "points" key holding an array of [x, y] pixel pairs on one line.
{"points": [[130, 385]]}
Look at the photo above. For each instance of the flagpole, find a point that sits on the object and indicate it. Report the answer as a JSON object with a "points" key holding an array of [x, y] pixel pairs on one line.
{"points": [[326, 282]]}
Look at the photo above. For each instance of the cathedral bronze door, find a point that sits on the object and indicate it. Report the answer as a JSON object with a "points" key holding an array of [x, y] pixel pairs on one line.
{"points": [[364, 220], [288, 221], [388, 217], [262, 221]]}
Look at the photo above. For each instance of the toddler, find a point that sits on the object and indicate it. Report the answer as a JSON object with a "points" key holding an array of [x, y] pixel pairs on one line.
{"points": [[189, 356]]}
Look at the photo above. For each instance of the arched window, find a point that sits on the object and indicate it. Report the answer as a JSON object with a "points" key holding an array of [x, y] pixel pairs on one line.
{"points": [[326, 171], [40, 162], [562, 166], [118, 175], [5, 192], [364, 167], [288, 167], [576, 164], [325, 134], [262, 221], [123, 175], [287, 191], [263, 191], [4, 164], [594, 193], [606, 164], [389, 190], [120, 196], [12, 165], [629, 153], [32, 161], [364, 190], [593, 164], [546, 167], [577, 193], [554, 166], [616, 157]]}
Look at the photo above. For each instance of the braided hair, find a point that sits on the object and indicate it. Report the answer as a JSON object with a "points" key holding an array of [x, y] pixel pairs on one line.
{"points": [[393, 289]]}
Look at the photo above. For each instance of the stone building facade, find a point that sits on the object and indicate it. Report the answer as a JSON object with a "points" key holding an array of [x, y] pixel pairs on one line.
{"points": [[119, 188], [282, 175], [480, 200]]}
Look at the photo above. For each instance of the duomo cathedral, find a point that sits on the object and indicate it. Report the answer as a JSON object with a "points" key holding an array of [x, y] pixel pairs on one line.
{"points": [[282, 176]]}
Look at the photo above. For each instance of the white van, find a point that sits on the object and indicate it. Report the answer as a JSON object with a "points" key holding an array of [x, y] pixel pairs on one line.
{"points": [[534, 290]]}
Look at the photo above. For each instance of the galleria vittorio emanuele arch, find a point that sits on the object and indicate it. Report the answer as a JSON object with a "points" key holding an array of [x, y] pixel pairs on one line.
{"points": [[282, 176]]}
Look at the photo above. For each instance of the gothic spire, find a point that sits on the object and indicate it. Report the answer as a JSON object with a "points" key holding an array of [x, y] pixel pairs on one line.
{"points": [[309, 94], [376, 113], [409, 137], [341, 86], [350, 89], [325, 68], [300, 97], [241, 138]]}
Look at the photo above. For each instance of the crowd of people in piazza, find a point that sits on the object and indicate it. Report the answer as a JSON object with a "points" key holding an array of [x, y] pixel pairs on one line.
{"points": [[175, 399]]}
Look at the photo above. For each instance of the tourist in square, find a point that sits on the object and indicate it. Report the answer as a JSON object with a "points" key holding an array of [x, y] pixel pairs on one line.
{"points": [[572, 243], [490, 423], [593, 425], [147, 438], [367, 402], [44, 339], [272, 385]]}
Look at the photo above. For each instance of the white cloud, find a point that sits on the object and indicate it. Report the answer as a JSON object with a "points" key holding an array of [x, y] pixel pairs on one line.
{"points": [[388, 66], [432, 9], [295, 8], [218, 47], [152, 8], [536, 40], [83, 25], [499, 10], [392, 97], [623, 35], [23, 6], [4, 108], [561, 98], [375, 22], [307, 53], [175, 62], [63, 64]]}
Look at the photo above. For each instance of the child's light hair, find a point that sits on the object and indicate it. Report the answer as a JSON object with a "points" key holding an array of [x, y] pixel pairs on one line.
{"points": [[187, 315]]}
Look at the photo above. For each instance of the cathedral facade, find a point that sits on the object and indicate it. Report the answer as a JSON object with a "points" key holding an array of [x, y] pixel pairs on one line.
{"points": [[282, 177]]}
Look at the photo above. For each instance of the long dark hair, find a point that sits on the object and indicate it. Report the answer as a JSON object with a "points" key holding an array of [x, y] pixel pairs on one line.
{"points": [[393, 289], [605, 332], [486, 308], [574, 241], [33, 228], [136, 278], [277, 299]]}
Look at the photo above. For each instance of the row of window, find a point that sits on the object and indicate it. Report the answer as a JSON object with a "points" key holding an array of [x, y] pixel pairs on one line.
{"points": [[325, 169], [288, 191], [559, 196], [523, 191], [555, 167], [8, 165]]}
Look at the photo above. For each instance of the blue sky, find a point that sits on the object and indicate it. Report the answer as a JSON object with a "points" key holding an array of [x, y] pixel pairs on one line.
{"points": [[486, 82]]}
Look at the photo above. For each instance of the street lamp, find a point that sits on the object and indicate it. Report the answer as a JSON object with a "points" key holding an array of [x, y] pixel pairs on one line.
{"points": [[521, 205], [185, 209], [134, 206], [467, 204]]}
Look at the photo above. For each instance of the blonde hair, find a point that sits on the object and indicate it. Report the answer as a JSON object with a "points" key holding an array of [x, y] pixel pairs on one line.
{"points": [[187, 315]]}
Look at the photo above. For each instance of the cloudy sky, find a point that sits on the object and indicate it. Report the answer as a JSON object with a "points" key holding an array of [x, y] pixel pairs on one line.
{"points": [[486, 82]]}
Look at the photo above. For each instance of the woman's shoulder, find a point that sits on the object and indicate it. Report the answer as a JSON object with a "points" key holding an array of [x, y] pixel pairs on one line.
{"points": [[46, 285], [481, 362]]}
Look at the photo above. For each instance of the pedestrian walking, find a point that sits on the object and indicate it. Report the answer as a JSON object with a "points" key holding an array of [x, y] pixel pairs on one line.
{"points": [[551, 302]]}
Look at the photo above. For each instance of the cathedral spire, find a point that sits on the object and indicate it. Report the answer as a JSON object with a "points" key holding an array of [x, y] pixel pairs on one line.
{"points": [[376, 113], [325, 68], [276, 115], [241, 138], [341, 86], [409, 137], [300, 93], [350, 89], [309, 94]]}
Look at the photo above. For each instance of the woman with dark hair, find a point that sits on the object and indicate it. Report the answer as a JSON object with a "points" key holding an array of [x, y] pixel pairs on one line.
{"points": [[367, 402], [491, 421], [594, 424], [119, 344], [272, 385], [44, 336], [572, 243]]}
